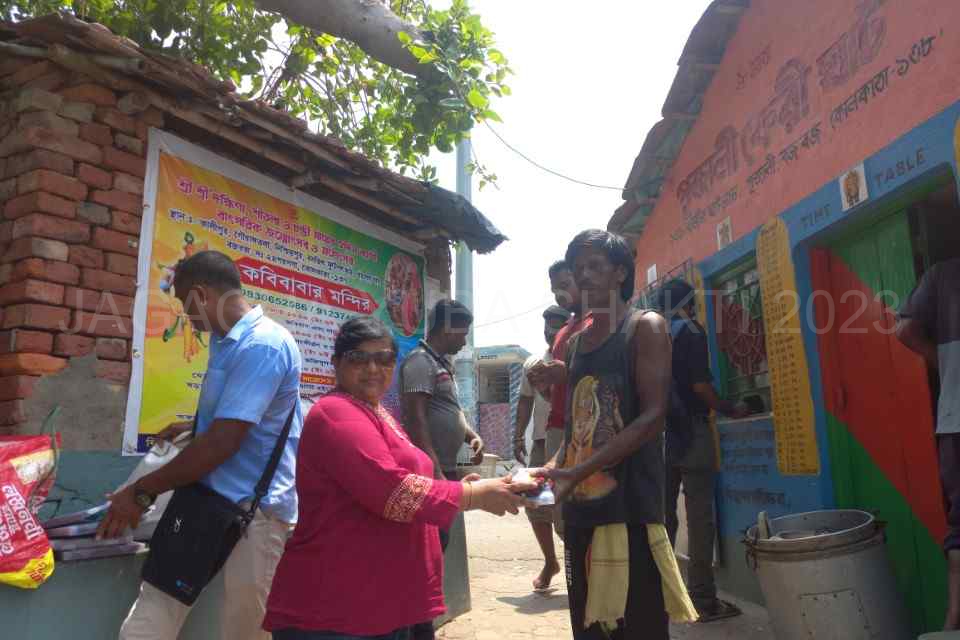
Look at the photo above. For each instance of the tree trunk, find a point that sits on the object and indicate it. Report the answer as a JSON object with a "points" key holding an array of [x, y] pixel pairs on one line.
{"points": [[370, 24]]}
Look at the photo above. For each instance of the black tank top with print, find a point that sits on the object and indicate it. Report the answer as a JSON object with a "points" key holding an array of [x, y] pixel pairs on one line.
{"points": [[601, 402]]}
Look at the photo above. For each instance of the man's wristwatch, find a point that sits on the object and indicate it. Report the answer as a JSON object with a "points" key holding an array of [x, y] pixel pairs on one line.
{"points": [[143, 499]]}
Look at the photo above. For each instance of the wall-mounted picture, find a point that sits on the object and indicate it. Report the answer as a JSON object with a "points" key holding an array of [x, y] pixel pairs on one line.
{"points": [[724, 234], [853, 187]]}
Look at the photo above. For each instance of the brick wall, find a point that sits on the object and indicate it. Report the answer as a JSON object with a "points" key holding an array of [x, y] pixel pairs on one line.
{"points": [[72, 163]]}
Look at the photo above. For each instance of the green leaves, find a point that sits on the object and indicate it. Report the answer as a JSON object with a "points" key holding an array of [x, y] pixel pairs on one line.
{"points": [[477, 100], [384, 113]]}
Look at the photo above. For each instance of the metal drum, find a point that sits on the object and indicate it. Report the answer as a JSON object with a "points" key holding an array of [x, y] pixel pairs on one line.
{"points": [[825, 575]]}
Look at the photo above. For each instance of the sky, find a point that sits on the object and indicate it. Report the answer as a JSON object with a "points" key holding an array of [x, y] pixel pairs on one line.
{"points": [[589, 85]]}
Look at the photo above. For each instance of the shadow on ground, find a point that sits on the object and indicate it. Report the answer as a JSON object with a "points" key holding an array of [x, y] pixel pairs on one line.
{"points": [[536, 603]]}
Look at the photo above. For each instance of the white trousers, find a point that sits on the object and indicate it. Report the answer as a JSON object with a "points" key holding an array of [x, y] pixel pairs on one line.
{"points": [[247, 577]]}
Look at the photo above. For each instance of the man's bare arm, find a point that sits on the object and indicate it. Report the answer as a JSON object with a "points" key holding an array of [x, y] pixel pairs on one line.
{"points": [[913, 337], [524, 411]]}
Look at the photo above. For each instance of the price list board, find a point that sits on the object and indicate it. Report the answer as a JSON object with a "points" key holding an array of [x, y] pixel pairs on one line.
{"points": [[793, 413]]}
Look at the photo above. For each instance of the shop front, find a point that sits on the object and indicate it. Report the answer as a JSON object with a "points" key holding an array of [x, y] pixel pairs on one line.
{"points": [[813, 184]]}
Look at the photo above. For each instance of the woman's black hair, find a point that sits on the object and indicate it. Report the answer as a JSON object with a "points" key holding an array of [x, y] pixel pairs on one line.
{"points": [[355, 332], [615, 247]]}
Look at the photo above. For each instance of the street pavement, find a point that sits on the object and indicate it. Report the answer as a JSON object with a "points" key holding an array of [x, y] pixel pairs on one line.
{"points": [[504, 559]]}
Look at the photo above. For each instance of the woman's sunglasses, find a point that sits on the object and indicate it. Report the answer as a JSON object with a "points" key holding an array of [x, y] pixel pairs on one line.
{"points": [[383, 358]]}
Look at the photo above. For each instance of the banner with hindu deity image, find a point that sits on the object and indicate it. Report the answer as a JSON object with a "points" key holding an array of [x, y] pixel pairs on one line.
{"points": [[309, 264]]}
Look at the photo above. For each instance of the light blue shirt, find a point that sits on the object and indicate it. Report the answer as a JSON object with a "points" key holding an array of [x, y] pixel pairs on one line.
{"points": [[253, 376]]}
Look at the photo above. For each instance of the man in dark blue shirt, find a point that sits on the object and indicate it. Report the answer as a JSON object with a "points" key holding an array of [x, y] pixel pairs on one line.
{"points": [[691, 454]]}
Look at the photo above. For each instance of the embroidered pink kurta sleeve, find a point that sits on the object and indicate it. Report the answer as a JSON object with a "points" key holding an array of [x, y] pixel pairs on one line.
{"points": [[353, 440]]}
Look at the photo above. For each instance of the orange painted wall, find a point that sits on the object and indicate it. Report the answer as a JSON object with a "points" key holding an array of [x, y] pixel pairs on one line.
{"points": [[744, 100]]}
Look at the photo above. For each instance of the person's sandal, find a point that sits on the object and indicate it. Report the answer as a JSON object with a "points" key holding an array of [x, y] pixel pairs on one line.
{"points": [[721, 610]]}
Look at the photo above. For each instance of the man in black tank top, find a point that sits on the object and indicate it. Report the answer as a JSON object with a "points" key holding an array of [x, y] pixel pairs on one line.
{"points": [[611, 468]]}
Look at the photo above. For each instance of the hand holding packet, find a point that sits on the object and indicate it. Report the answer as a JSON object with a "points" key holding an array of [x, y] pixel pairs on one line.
{"points": [[540, 497]]}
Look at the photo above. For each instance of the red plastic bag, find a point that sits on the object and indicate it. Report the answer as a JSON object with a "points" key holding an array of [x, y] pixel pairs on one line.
{"points": [[27, 467]]}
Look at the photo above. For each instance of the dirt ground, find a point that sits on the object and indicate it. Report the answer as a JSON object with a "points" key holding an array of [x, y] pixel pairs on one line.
{"points": [[504, 559]]}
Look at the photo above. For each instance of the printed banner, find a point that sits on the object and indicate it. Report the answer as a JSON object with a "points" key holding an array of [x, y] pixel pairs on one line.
{"points": [[307, 271], [793, 414]]}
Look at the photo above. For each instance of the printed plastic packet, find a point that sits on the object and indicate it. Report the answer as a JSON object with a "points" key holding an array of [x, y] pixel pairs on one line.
{"points": [[27, 468]]}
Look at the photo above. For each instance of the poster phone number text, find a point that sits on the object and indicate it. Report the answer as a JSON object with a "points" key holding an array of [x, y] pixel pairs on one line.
{"points": [[297, 305]]}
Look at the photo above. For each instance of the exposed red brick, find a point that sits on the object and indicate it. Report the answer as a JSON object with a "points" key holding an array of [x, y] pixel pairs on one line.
{"points": [[97, 134], [78, 111], [114, 241], [93, 93], [51, 121], [105, 281], [121, 264], [101, 325], [6, 232], [125, 222], [96, 178], [83, 256], [36, 248], [73, 346], [44, 226], [143, 130], [27, 73], [12, 64], [133, 103], [31, 364], [42, 202], [129, 143], [85, 299], [12, 414], [29, 268], [36, 137], [123, 161], [118, 372], [61, 272], [116, 120], [24, 341], [17, 387], [48, 82], [31, 291], [94, 213], [111, 349], [37, 159], [52, 182], [118, 200], [37, 316], [8, 189], [35, 100], [126, 182], [115, 304], [152, 117]]}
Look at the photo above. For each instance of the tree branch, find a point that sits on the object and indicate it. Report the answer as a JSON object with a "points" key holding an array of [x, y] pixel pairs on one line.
{"points": [[370, 24]]}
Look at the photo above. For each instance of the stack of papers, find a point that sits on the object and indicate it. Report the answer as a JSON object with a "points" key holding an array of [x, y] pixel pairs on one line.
{"points": [[72, 537]]}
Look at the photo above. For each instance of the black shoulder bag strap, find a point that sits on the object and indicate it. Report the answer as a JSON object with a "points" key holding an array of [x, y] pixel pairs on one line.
{"points": [[263, 485]]}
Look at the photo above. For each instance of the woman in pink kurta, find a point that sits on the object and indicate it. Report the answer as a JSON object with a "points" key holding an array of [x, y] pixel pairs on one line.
{"points": [[364, 560]]}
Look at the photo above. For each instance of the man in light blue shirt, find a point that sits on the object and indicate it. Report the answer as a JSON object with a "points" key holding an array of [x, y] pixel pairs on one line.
{"points": [[251, 386]]}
